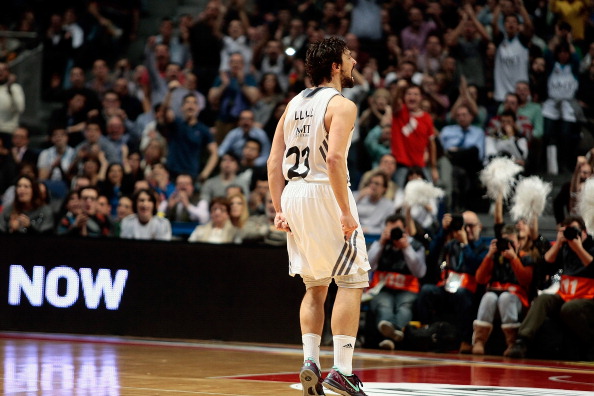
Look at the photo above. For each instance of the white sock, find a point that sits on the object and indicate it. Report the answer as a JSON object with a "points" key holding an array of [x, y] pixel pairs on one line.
{"points": [[344, 346], [311, 347]]}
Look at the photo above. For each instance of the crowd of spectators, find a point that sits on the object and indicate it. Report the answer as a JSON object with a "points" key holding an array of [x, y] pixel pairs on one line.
{"points": [[182, 137]]}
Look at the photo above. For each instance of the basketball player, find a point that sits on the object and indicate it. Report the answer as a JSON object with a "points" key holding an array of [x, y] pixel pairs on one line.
{"points": [[317, 209]]}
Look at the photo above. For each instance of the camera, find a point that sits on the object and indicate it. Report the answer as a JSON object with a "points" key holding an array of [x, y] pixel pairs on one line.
{"points": [[457, 223], [571, 233], [396, 234], [503, 244]]}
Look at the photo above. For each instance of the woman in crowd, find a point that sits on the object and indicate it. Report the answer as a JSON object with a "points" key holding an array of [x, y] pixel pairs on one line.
{"points": [[425, 216], [250, 228], [24, 169], [124, 209], [71, 207], [144, 223], [91, 169], [239, 212], [219, 229], [154, 153], [271, 94], [507, 277], [115, 185], [28, 214]]}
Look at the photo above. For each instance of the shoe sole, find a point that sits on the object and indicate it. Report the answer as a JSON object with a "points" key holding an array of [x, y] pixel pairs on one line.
{"points": [[391, 332], [387, 345], [309, 380]]}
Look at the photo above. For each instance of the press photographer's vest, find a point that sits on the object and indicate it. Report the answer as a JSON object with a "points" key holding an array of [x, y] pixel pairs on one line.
{"points": [[460, 279], [454, 275], [577, 279], [392, 270], [574, 287], [503, 278]]}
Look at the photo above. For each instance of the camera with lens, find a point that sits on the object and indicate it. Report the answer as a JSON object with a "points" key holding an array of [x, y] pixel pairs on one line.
{"points": [[571, 233], [457, 223], [503, 244], [396, 234]]}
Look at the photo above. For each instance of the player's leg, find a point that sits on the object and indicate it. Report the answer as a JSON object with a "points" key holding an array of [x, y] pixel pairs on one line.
{"points": [[311, 317], [345, 323]]}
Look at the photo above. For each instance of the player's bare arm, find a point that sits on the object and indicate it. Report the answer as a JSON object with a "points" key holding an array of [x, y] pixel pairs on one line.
{"points": [[339, 121], [276, 180]]}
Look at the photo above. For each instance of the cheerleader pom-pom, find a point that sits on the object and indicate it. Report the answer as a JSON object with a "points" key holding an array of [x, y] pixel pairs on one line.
{"points": [[421, 192], [498, 177], [586, 204], [530, 198]]}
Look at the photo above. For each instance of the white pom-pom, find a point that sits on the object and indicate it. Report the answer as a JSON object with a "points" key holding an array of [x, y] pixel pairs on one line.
{"points": [[421, 192], [530, 198], [498, 177], [586, 204]]}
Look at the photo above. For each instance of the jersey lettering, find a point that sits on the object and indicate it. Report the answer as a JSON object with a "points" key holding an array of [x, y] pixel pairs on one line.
{"points": [[302, 115]]}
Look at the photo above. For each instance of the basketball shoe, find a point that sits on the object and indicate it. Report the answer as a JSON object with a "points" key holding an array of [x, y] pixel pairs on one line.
{"points": [[347, 385], [311, 379]]}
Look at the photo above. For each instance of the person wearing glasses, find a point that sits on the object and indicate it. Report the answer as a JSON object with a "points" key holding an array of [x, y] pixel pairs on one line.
{"points": [[219, 229], [452, 299], [88, 223]]}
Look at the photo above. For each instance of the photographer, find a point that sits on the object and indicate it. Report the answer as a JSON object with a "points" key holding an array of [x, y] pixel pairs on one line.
{"points": [[508, 279], [531, 243], [398, 261], [452, 298], [573, 303]]}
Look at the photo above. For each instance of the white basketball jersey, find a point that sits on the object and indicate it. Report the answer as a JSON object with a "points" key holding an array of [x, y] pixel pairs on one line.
{"points": [[306, 138], [511, 66], [562, 84]]}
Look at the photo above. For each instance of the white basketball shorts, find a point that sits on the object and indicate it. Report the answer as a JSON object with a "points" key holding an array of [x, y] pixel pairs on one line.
{"points": [[316, 245]]}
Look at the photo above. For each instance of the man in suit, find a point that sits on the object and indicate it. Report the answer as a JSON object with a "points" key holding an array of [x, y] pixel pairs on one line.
{"points": [[21, 153]]}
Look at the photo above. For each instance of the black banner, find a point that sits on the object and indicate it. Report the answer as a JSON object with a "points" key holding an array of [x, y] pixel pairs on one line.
{"points": [[148, 288]]}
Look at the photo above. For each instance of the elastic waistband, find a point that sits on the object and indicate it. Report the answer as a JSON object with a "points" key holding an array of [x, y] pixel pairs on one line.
{"points": [[303, 181]]}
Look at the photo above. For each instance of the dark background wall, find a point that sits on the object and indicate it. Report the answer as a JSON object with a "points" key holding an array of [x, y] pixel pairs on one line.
{"points": [[173, 289]]}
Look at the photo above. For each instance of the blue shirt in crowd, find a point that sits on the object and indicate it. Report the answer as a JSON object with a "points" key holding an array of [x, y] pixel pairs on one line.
{"points": [[236, 138], [454, 136], [186, 143]]}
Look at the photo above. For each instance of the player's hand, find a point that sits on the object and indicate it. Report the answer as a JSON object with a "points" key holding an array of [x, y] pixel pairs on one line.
{"points": [[348, 224], [280, 222]]}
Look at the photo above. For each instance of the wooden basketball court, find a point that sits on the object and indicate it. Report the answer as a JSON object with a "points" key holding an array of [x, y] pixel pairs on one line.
{"points": [[50, 364]]}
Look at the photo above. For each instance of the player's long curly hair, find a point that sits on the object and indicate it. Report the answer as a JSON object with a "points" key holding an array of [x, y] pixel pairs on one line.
{"points": [[320, 57]]}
